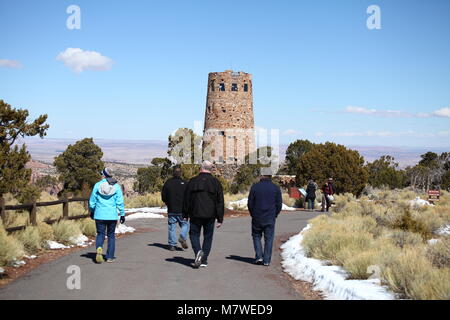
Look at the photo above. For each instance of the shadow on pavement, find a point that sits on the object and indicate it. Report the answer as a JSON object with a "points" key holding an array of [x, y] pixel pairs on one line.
{"points": [[162, 246], [89, 255], [181, 260], [241, 259]]}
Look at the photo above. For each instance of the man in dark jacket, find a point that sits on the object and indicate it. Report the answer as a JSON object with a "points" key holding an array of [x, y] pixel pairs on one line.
{"points": [[203, 204], [264, 204], [311, 194], [172, 195]]}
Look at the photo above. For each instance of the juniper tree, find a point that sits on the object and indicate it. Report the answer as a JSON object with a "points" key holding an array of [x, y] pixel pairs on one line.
{"points": [[14, 124], [79, 166]]}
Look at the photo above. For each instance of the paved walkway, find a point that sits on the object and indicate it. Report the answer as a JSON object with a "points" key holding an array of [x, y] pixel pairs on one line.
{"points": [[145, 269]]}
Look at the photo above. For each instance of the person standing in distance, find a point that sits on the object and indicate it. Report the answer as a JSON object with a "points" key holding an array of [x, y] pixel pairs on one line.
{"points": [[172, 195], [105, 204], [264, 204], [203, 204]]}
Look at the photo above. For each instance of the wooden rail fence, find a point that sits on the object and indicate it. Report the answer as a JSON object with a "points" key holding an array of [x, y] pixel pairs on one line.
{"points": [[32, 210]]}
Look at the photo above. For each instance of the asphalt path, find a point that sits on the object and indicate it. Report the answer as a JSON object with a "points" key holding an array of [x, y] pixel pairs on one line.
{"points": [[146, 269]]}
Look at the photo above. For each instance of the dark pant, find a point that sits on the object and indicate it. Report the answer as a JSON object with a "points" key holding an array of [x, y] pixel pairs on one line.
{"points": [[311, 203], [106, 227], [196, 224], [258, 229]]}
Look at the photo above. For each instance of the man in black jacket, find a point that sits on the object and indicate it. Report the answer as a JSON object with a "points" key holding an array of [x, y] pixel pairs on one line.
{"points": [[172, 195], [203, 205], [264, 204]]}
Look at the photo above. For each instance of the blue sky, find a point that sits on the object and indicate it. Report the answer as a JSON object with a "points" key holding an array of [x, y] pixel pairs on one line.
{"points": [[319, 72]]}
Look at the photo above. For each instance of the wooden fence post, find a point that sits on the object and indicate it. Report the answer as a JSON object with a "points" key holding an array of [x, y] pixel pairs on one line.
{"points": [[2, 210], [33, 214], [65, 208]]}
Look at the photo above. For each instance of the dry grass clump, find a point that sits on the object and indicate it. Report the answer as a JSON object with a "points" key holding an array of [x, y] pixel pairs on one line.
{"points": [[87, 227], [439, 253], [30, 239], [143, 201], [413, 276], [45, 232], [10, 248], [291, 202], [65, 230], [388, 233]]}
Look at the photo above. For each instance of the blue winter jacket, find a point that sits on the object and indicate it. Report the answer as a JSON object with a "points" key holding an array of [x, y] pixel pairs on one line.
{"points": [[106, 201], [264, 202]]}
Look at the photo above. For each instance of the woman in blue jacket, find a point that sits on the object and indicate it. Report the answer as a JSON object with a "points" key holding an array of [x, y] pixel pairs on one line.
{"points": [[106, 203]]}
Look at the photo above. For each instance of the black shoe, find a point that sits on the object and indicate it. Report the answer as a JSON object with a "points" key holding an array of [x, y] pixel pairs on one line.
{"points": [[259, 262], [172, 248], [266, 264], [183, 243], [204, 264], [198, 259]]}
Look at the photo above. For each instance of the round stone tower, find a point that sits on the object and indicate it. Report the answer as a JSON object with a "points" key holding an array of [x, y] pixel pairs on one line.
{"points": [[228, 135]]}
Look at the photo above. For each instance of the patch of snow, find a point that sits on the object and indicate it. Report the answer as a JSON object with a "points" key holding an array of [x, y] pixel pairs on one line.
{"points": [[331, 280], [121, 228], [146, 209], [444, 231], [81, 240], [18, 263], [238, 204], [53, 245], [30, 257], [2, 271], [433, 241], [145, 213], [242, 205], [417, 202], [287, 208]]}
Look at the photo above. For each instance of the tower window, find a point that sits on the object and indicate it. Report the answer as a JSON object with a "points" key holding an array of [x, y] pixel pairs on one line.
{"points": [[245, 87], [222, 87], [234, 87], [213, 86], [209, 108]]}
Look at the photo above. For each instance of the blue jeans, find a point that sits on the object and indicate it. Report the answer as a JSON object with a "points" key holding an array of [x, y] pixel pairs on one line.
{"points": [[106, 227], [311, 203], [173, 220], [194, 234], [258, 229]]}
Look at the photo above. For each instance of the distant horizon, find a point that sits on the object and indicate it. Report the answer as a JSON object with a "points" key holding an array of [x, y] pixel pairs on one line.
{"points": [[140, 152]]}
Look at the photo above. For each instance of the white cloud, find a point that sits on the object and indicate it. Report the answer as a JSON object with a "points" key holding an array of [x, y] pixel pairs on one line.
{"points": [[79, 60], [360, 110], [380, 113], [290, 132], [10, 63], [444, 112]]}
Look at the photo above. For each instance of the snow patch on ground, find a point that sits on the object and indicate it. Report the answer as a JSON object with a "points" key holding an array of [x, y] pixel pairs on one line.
{"points": [[433, 241], [417, 202], [30, 257], [80, 240], [331, 280], [121, 229], [145, 213], [444, 231], [242, 205], [53, 245]]}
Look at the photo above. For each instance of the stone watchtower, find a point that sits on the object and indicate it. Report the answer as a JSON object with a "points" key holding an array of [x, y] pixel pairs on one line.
{"points": [[229, 124]]}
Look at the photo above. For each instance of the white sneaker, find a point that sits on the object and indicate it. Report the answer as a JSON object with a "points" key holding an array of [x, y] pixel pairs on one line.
{"points": [[198, 259]]}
